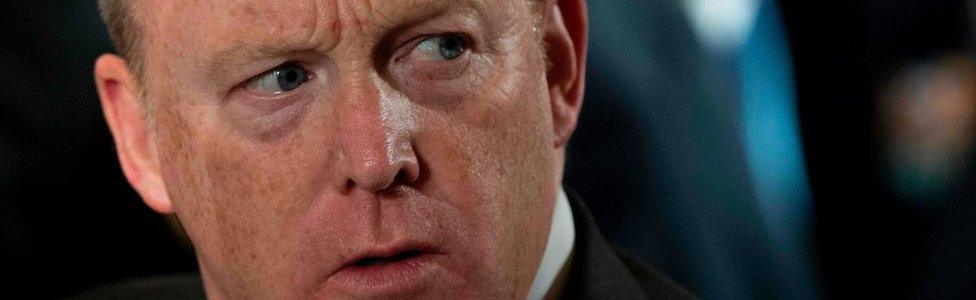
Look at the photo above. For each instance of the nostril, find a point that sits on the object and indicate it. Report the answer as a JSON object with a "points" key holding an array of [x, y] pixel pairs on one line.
{"points": [[408, 173], [401, 178]]}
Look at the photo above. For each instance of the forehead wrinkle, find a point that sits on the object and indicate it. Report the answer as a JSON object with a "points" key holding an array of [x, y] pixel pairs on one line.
{"points": [[381, 17], [317, 30], [320, 29], [421, 9]]}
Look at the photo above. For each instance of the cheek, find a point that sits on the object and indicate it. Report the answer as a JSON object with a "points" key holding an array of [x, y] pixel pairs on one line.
{"points": [[232, 196], [251, 189], [492, 156]]}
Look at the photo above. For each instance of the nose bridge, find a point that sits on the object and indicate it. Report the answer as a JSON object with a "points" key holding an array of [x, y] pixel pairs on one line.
{"points": [[375, 135]]}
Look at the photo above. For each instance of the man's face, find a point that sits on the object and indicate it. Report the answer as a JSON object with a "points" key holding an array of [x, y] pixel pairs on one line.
{"points": [[338, 148]]}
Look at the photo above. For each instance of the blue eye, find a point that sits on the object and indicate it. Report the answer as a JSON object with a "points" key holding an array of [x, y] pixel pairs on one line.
{"points": [[442, 47], [283, 78]]}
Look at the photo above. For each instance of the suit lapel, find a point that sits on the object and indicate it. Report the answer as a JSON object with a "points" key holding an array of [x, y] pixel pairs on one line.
{"points": [[597, 272]]}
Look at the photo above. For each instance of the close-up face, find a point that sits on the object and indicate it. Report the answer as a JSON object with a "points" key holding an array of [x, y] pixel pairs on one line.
{"points": [[353, 148]]}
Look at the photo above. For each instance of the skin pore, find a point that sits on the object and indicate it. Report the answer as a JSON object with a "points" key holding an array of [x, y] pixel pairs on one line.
{"points": [[293, 138]]}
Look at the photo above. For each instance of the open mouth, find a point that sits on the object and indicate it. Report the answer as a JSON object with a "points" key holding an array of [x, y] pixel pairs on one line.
{"points": [[383, 260], [387, 270]]}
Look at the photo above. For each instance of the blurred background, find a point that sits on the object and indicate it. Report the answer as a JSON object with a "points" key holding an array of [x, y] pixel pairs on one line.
{"points": [[748, 148]]}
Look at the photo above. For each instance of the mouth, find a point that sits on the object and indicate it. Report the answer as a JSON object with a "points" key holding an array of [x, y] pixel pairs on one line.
{"points": [[370, 261], [389, 271]]}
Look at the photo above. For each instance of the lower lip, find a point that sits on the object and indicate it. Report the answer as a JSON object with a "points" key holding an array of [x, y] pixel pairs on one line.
{"points": [[390, 278]]}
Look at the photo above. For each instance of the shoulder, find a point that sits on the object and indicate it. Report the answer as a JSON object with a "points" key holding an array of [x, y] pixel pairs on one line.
{"points": [[599, 270], [655, 284]]}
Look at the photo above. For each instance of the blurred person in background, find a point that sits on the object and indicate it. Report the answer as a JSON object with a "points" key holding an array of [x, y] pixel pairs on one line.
{"points": [[885, 107], [927, 121]]}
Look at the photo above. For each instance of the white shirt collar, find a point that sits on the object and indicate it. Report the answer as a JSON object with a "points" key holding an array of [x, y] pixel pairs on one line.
{"points": [[562, 236]]}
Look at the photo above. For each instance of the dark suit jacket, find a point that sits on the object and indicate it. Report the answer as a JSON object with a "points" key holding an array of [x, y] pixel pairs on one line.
{"points": [[601, 271], [598, 271]]}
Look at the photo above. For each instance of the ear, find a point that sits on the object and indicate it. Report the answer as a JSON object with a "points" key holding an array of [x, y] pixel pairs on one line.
{"points": [[134, 143], [566, 37]]}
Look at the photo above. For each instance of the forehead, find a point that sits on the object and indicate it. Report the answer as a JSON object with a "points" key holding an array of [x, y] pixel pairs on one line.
{"points": [[323, 23], [202, 40]]}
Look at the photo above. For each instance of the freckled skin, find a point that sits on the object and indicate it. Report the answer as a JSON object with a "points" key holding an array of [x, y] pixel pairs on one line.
{"points": [[273, 203]]}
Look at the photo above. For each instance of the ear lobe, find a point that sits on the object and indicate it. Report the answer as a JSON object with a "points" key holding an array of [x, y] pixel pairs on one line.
{"points": [[566, 37], [134, 145]]}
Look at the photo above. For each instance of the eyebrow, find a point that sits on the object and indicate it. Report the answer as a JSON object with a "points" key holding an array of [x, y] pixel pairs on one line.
{"points": [[242, 52]]}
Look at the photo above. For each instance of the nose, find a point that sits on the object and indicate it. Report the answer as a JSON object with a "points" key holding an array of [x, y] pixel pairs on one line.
{"points": [[377, 125]]}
